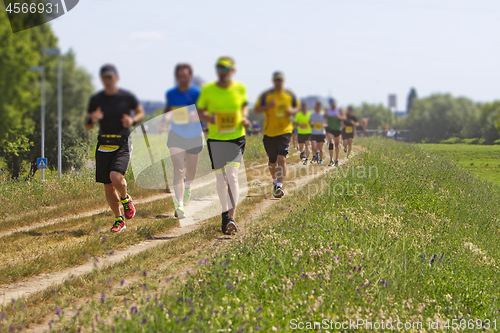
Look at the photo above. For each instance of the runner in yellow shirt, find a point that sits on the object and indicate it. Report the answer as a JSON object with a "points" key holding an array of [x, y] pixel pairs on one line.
{"points": [[224, 105], [302, 120], [278, 105]]}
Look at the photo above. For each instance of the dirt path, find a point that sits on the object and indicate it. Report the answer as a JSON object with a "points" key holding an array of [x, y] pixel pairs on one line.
{"points": [[41, 282], [101, 210]]}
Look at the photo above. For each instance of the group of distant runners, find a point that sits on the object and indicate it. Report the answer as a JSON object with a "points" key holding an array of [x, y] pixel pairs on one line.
{"points": [[313, 128], [223, 105]]}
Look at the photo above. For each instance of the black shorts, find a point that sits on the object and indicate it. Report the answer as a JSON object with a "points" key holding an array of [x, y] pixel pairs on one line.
{"points": [[302, 138], [223, 151], [335, 133], [192, 146], [117, 160], [277, 145], [318, 137], [347, 135]]}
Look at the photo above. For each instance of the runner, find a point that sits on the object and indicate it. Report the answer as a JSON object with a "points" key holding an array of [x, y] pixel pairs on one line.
{"points": [[362, 126], [348, 133], [278, 105], [185, 139], [112, 108], [224, 105], [333, 116], [302, 120], [318, 131]]}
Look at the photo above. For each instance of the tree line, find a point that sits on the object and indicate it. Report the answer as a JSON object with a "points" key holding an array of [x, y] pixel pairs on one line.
{"points": [[20, 87]]}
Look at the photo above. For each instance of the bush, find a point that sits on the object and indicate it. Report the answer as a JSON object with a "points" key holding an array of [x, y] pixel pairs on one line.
{"points": [[452, 140], [473, 141]]}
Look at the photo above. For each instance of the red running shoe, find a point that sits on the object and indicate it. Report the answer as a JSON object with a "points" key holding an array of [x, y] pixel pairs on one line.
{"points": [[128, 207], [119, 225]]}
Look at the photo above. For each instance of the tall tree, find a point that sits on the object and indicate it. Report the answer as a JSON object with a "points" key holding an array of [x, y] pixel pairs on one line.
{"points": [[441, 116], [16, 56], [379, 115], [77, 88], [489, 117]]}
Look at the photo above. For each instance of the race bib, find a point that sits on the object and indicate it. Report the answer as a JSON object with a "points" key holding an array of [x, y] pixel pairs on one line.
{"points": [[226, 122], [107, 148], [181, 116], [280, 110], [318, 126], [348, 129]]}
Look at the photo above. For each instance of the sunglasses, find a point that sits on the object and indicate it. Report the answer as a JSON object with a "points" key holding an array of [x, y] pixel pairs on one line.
{"points": [[223, 68]]}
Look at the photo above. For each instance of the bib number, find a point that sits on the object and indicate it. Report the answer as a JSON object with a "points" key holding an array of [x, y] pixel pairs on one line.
{"points": [[226, 122], [348, 129], [181, 116], [280, 110], [318, 126]]}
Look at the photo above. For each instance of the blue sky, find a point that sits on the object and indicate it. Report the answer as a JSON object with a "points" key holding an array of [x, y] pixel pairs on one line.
{"points": [[359, 50]]}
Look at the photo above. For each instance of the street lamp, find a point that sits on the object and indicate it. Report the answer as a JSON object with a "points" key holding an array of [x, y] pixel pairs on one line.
{"points": [[57, 52], [40, 69]]}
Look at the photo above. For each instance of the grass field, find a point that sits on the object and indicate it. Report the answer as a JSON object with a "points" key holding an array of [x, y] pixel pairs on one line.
{"points": [[415, 243], [395, 235], [482, 161]]}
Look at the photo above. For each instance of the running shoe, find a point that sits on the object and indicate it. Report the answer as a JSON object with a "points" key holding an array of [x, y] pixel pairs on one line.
{"points": [[321, 162], [336, 163], [231, 228], [305, 162], [274, 188], [179, 212], [279, 193], [302, 155], [315, 157], [187, 195], [128, 207], [331, 163], [119, 225]]}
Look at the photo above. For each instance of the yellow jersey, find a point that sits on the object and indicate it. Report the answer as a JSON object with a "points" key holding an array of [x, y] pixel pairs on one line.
{"points": [[276, 121], [226, 103]]}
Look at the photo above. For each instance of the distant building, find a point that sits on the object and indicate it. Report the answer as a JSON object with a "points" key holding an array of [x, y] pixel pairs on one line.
{"points": [[152, 106], [312, 99]]}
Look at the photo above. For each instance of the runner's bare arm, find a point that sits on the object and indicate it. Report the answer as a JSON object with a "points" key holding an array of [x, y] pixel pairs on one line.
{"points": [[265, 107], [292, 111], [139, 114], [92, 118], [202, 114], [342, 115], [244, 111]]}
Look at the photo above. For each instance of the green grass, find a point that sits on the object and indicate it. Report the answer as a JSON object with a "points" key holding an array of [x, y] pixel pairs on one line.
{"points": [[482, 161], [420, 242]]}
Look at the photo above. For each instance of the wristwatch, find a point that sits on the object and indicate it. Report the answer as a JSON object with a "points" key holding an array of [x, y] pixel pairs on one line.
{"points": [[134, 122]]}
